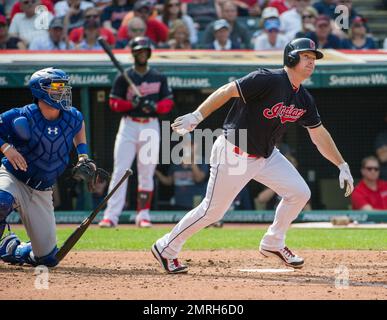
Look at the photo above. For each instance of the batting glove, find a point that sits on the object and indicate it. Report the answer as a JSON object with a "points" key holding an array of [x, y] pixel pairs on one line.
{"points": [[345, 177], [187, 123], [148, 106]]}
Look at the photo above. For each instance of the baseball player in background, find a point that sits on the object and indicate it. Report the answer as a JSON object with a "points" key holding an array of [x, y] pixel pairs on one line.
{"points": [[139, 113], [265, 101], [36, 141]]}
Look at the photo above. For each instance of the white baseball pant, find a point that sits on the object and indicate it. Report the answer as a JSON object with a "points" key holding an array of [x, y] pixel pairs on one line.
{"points": [[133, 138], [276, 172]]}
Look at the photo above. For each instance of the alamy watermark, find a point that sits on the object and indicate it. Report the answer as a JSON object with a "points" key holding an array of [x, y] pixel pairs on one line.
{"points": [[342, 19], [41, 278], [43, 18], [196, 147], [341, 277]]}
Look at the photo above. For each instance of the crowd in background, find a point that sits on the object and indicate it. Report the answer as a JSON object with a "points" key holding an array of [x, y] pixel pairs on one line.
{"points": [[182, 24]]}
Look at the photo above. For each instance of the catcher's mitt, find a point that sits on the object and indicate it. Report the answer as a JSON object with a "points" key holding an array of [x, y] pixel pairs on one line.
{"points": [[86, 170]]}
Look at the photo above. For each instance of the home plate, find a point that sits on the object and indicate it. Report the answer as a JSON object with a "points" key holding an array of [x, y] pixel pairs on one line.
{"points": [[266, 270]]}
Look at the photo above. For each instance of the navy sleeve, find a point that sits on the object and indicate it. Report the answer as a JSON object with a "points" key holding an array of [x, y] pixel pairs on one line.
{"points": [[254, 85], [311, 118], [120, 88], [6, 124], [165, 90]]}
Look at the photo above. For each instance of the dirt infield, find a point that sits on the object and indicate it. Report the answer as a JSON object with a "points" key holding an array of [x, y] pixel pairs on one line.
{"points": [[212, 275]]}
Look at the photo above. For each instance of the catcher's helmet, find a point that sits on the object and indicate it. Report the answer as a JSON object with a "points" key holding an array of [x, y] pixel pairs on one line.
{"points": [[292, 49], [51, 86], [139, 43]]}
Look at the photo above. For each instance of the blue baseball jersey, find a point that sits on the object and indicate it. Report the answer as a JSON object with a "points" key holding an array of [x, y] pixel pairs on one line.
{"points": [[267, 104], [47, 151]]}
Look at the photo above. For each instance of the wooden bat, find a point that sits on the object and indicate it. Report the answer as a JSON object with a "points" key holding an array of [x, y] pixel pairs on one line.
{"points": [[78, 232], [118, 65]]}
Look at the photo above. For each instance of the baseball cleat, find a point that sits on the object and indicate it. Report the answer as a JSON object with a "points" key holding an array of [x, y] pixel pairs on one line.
{"points": [[171, 266], [143, 223], [106, 223], [285, 255]]}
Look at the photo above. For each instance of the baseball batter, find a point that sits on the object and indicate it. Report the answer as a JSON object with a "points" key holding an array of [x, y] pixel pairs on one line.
{"points": [[265, 102], [139, 114], [36, 141]]}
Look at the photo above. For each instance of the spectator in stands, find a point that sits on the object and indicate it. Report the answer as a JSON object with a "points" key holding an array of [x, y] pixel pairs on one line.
{"points": [[93, 24], [252, 8], [222, 40], [188, 179], [155, 29], [172, 12], [54, 40], [136, 28], [271, 39], [16, 8], [238, 33], [291, 20], [381, 150], [280, 5], [202, 12], [385, 43], [326, 7], [323, 37], [309, 16], [358, 38], [267, 13], [24, 24], [74, 17], [371, 192], [91, 32], [179, 36], [7, 41], [62, 7], [113, 14]]}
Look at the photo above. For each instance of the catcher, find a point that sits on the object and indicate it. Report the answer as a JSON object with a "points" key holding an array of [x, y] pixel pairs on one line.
{"points": [[36, 141]]}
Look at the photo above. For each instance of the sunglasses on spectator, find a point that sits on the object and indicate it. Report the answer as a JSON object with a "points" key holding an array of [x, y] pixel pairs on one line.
{"points": [[173, 5], [307, 17], [94, 16], [26, 2], [372, 169], [357, 25], [137, 29]]}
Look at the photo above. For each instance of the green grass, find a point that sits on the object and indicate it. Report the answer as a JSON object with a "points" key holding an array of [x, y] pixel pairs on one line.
{"points": [[226, 238]]}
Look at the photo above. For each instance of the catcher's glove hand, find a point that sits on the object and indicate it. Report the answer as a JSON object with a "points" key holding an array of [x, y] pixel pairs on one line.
{"points": [[86, 170]]}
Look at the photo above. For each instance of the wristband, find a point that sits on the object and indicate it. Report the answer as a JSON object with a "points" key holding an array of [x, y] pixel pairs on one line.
{"points": [[197, 114], [6, 148], [82, 149]]}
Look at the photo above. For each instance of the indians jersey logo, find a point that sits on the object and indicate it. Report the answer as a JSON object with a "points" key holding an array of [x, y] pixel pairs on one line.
{"points": [[285, 113], [52, 131]]}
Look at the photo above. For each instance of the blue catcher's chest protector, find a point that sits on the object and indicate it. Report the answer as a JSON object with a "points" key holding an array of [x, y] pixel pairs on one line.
{"points": [[48, 149]]}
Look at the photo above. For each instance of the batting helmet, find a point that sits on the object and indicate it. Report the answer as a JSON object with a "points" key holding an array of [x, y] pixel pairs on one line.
{"points": [[294, 47], [139, 43], [51, 86]]}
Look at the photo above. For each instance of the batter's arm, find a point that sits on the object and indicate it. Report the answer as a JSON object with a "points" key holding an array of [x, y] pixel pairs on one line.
{"points": [[327, 147], [218, 98], [325, 144]]}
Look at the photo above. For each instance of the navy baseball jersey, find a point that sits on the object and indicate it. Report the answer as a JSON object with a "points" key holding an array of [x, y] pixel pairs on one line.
{"points": [[267, 104], [152, 85], [47, 151]]}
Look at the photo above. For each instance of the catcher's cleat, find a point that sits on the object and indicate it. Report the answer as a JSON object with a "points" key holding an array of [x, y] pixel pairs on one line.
{"points": [[285, 255], [106, 223], [171, 266]]}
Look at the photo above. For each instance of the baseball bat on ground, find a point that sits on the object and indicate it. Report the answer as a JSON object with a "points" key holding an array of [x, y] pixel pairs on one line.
{"points": [[118, 65], [78, 232]]}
